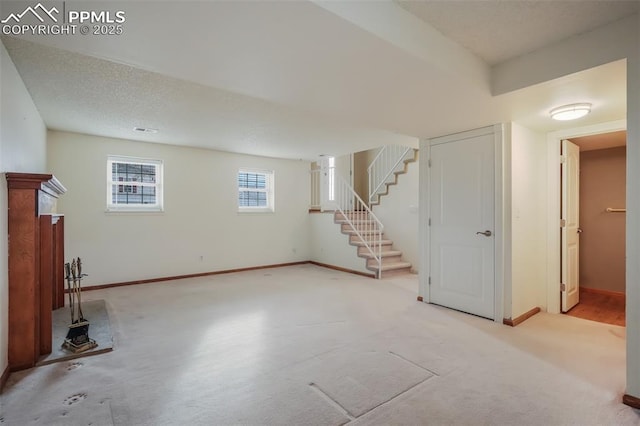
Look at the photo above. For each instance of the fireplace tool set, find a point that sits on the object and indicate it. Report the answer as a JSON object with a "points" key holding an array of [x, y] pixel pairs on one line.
{"points": [[77, 339]]}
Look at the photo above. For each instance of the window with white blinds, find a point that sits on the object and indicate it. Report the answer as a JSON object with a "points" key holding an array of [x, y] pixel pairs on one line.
{"points": [[134, 184], [255, 190]]}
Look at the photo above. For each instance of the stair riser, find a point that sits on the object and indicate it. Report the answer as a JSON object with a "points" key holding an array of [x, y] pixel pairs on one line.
{"points": [[372, 263], [366, 234], [363, 251], [396, 272], [369, 239], [385, 253], [359, 226], [391, 272], [352, 216]]}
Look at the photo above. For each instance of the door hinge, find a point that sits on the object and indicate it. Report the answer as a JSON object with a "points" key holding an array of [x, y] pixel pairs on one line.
{"points": [[563, 223], [429, 221], [563, 287], [563, 159], [429, 280], [429, 162]]}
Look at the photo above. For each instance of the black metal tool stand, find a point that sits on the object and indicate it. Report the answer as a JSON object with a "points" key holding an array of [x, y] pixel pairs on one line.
{"points": [[77, 339]]}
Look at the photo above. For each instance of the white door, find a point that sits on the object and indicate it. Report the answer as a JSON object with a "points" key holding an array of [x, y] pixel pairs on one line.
{"points": [[462, 225], [570, 235]]}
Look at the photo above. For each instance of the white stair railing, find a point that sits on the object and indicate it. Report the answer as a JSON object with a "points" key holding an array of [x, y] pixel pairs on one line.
{"points": [[363, 226], [381, 169]]}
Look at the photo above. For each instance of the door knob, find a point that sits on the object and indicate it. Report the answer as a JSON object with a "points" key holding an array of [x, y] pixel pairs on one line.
{"points": [[486, 233]]}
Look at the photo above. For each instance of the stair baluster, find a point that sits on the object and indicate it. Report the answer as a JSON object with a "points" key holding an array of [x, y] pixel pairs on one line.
{"points": [[382, 168], [360, 220]]}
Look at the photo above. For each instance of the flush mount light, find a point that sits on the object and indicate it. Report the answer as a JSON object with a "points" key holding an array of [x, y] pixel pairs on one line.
{"points": [[145, 130], [570, 112]]}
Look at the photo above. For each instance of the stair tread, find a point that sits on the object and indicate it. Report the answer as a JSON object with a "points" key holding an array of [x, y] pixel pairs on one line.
{"points": [[388, 253], [355, 217], [396, 265], [361, 231], [370, 239], [383, 242], [391, 266]]}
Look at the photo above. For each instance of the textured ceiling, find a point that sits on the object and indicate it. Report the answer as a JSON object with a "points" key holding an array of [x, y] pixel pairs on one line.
{"points": [[498, 30], [82, 94], [293, 79]]}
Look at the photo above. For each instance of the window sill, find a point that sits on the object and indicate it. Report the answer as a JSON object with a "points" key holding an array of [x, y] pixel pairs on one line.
{"points": [[134, 212], [256, 211]]}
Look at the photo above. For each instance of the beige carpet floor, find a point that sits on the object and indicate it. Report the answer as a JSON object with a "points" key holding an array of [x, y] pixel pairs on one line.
{"points": [[305, 345]]}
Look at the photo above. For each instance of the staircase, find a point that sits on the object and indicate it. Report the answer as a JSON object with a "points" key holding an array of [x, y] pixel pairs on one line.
{"points": [[371, 243], [331, 192], [390, 162]]}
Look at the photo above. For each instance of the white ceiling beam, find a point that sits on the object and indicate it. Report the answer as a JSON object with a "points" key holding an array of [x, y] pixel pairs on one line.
{"points": [[392, 23], [601, 46]]}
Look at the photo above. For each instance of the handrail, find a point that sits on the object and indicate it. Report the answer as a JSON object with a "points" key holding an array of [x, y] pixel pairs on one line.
{"points": [[356, 214], [361, 220], [384, 165]]}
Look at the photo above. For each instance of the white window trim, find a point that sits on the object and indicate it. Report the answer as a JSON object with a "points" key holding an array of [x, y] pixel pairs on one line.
{"points": [[144, 208], [270, 175]]}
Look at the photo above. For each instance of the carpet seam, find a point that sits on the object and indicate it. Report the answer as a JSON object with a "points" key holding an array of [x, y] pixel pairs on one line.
{"points": [[413, 363], [394, 397], [324, 395]]}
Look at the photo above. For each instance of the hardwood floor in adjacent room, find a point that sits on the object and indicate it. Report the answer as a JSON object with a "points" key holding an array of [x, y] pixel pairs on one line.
{"points": [[600, 307]]}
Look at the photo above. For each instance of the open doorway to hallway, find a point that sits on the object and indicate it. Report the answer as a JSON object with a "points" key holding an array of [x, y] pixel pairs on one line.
{"points": [[602, 202]]}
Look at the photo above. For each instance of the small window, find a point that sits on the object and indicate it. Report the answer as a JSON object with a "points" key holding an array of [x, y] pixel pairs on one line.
{"points": [[255, 191], [134, 184]]}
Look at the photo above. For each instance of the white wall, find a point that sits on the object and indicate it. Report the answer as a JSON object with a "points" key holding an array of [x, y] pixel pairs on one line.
{"points": [[22, 149], [330, 246], [398, 212], [528, 220], [200, 229]]}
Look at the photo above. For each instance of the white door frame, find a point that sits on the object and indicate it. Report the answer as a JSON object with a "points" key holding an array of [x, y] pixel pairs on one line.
{"points": [[501, 236], [553, 205]]}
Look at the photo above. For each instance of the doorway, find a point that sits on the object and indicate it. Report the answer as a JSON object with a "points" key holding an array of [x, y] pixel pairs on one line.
{"points": [[554, 139], [602, 201]]}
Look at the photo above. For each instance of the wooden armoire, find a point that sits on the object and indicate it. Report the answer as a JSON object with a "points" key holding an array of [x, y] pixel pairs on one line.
{"points": [[36, 265]]}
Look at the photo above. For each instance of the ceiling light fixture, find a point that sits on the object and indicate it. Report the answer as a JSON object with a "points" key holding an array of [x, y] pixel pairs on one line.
{"points": [[145, 130], [570, 112]]}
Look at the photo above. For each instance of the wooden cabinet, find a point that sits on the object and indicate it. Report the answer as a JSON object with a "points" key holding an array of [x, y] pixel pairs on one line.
{"points": [[36, 265]]}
